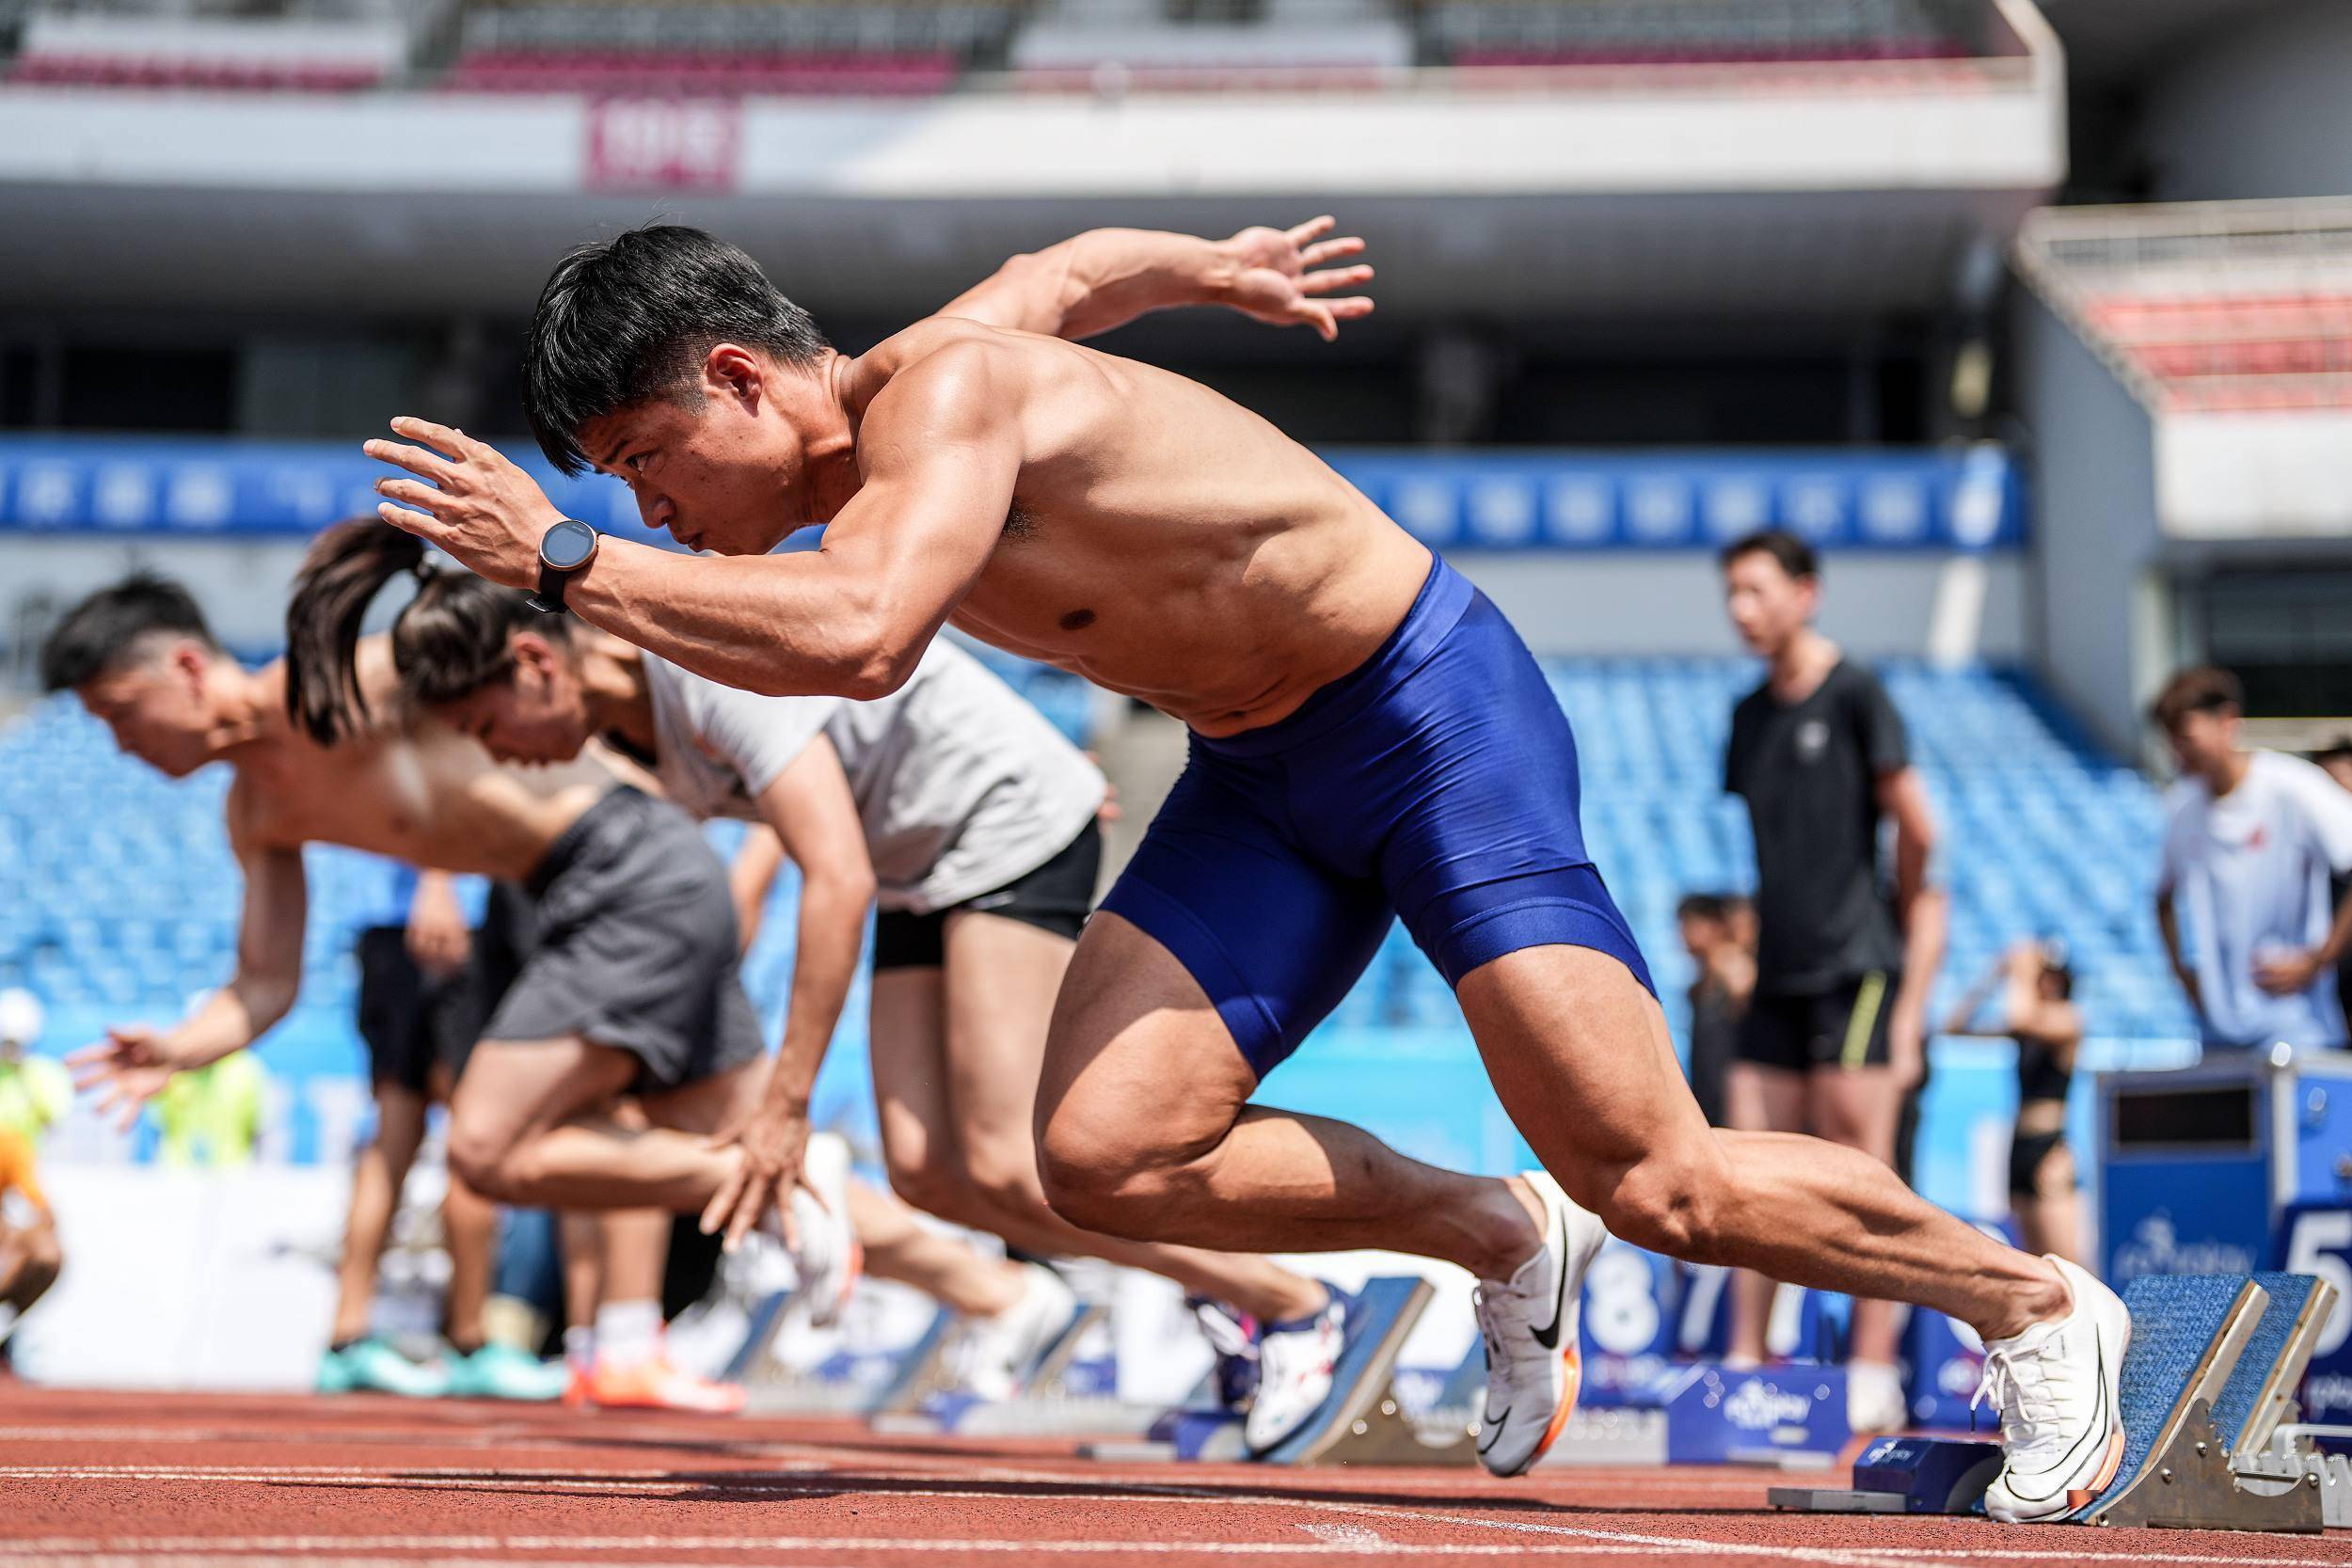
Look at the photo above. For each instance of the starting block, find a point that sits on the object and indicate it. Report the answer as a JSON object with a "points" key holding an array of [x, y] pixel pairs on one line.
{"points": [[1052, 1402], [1363, 1422], [1905, 1475], [907, 1378], [2206, 1390]]}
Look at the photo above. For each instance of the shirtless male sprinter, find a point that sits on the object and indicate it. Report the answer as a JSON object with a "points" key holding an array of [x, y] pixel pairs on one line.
{"points": [[629, 984], [1370, 737], [522, 1117]]}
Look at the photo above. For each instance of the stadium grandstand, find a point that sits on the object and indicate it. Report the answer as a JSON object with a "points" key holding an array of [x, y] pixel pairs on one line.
{"points": [[2033, 318]]}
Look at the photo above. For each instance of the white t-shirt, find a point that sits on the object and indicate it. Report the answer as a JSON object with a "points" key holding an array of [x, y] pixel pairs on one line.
{"points": [[2249, 875], [962, 785]]}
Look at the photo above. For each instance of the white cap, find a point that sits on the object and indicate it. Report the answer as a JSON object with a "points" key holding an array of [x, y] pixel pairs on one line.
{"points": [[20, 1017]]}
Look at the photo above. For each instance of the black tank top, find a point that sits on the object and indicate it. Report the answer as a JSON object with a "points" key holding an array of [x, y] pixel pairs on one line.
{"points": [[2039, 1073]]}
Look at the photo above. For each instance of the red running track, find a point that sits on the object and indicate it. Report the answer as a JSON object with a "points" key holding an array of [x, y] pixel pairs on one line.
{"points": [[139, 1481]]}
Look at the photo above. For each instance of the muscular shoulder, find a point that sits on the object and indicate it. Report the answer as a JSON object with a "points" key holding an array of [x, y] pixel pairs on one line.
{"points": [[253, 815], [946, 362]]}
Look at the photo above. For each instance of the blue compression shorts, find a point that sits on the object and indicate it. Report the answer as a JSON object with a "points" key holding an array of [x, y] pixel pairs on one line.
{"points": [[1437, 781]]}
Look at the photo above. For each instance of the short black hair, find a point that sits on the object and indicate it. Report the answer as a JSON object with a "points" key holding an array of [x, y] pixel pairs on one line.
{"points": [[2199, 688], [1795, 556], [101, 633], [625, 319]]}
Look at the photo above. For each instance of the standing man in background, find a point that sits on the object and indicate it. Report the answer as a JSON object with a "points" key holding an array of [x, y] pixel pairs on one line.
{"points": [[1835, 1038], [35, 1091], [2251, 840]]}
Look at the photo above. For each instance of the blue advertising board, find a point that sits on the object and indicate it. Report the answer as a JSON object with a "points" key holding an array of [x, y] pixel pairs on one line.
{"points": [[1971, 499], [2316, 1239]]}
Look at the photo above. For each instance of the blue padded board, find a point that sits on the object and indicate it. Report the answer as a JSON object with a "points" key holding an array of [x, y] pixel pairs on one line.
{"points": [[2174, 1317], [2288, 1293]]}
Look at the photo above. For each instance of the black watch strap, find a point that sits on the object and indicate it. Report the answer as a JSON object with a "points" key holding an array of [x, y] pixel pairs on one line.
{"points": [[547, 598], [564, 551]]}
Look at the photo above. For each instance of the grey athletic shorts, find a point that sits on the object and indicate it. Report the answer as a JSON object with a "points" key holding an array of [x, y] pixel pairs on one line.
{"points": [[633, 946]]}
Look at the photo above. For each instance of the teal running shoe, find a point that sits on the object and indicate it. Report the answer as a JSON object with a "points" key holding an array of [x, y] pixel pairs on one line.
{"points": [[498, 1371], [371, 1366]]}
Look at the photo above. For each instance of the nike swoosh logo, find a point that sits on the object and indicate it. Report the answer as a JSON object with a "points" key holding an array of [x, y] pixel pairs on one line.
{"points": [[1495, 1422], [2097, 1427], [1549, 1337]]}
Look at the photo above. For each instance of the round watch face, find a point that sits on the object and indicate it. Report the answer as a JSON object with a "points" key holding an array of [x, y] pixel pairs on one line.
{"points": [[569, 545]]}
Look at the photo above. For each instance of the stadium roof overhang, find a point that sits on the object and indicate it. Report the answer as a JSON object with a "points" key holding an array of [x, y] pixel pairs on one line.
{"points": [[1847, 198]]}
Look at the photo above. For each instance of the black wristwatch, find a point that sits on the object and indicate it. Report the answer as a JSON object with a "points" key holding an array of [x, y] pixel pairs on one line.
{"points": [[564, 551]]}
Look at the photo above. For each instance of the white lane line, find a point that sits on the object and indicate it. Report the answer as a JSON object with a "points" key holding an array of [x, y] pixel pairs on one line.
{"points": [[1354, 1538], [1374, 1510], [1341, 1542]]}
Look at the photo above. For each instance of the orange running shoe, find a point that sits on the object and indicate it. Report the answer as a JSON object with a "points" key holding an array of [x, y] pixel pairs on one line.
{"points": [[577, 1391], [655, 1385]]}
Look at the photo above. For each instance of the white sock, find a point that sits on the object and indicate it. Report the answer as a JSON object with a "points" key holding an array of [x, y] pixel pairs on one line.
{"points": [[580, 1350], [628, 1333]]}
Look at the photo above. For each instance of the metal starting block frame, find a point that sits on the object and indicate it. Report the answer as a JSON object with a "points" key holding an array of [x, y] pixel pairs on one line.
{"points": [[1047, 1405], [2231, 1403], [1363, 1422], [2206, 1396], [919, 1371]]}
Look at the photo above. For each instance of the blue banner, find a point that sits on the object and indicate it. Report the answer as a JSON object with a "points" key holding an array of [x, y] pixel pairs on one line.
{"points": [[198, 488], [1968, 499]]}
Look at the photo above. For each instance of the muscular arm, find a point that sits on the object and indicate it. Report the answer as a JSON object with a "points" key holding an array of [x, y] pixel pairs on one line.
{"points": [[1106, 277], [268, 975], [815, 822], [1921, 908], [941, 448], [135, 1061], [750, 874], [2168, 926]]}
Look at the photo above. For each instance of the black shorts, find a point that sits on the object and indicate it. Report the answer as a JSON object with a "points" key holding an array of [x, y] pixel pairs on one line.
{"points": [[1055, 897], [2026, 1153], [1844, 1027], [634, 948], [411, 1021]]}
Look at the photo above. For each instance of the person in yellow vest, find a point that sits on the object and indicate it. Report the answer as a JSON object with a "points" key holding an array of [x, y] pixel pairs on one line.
{"points": [[35, 1091], [209, 1118]]}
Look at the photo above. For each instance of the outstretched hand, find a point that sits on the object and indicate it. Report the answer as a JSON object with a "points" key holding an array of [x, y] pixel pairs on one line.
{"points": [[131, 1066], [1283, 279], [773, 1148], [477, 505]]}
